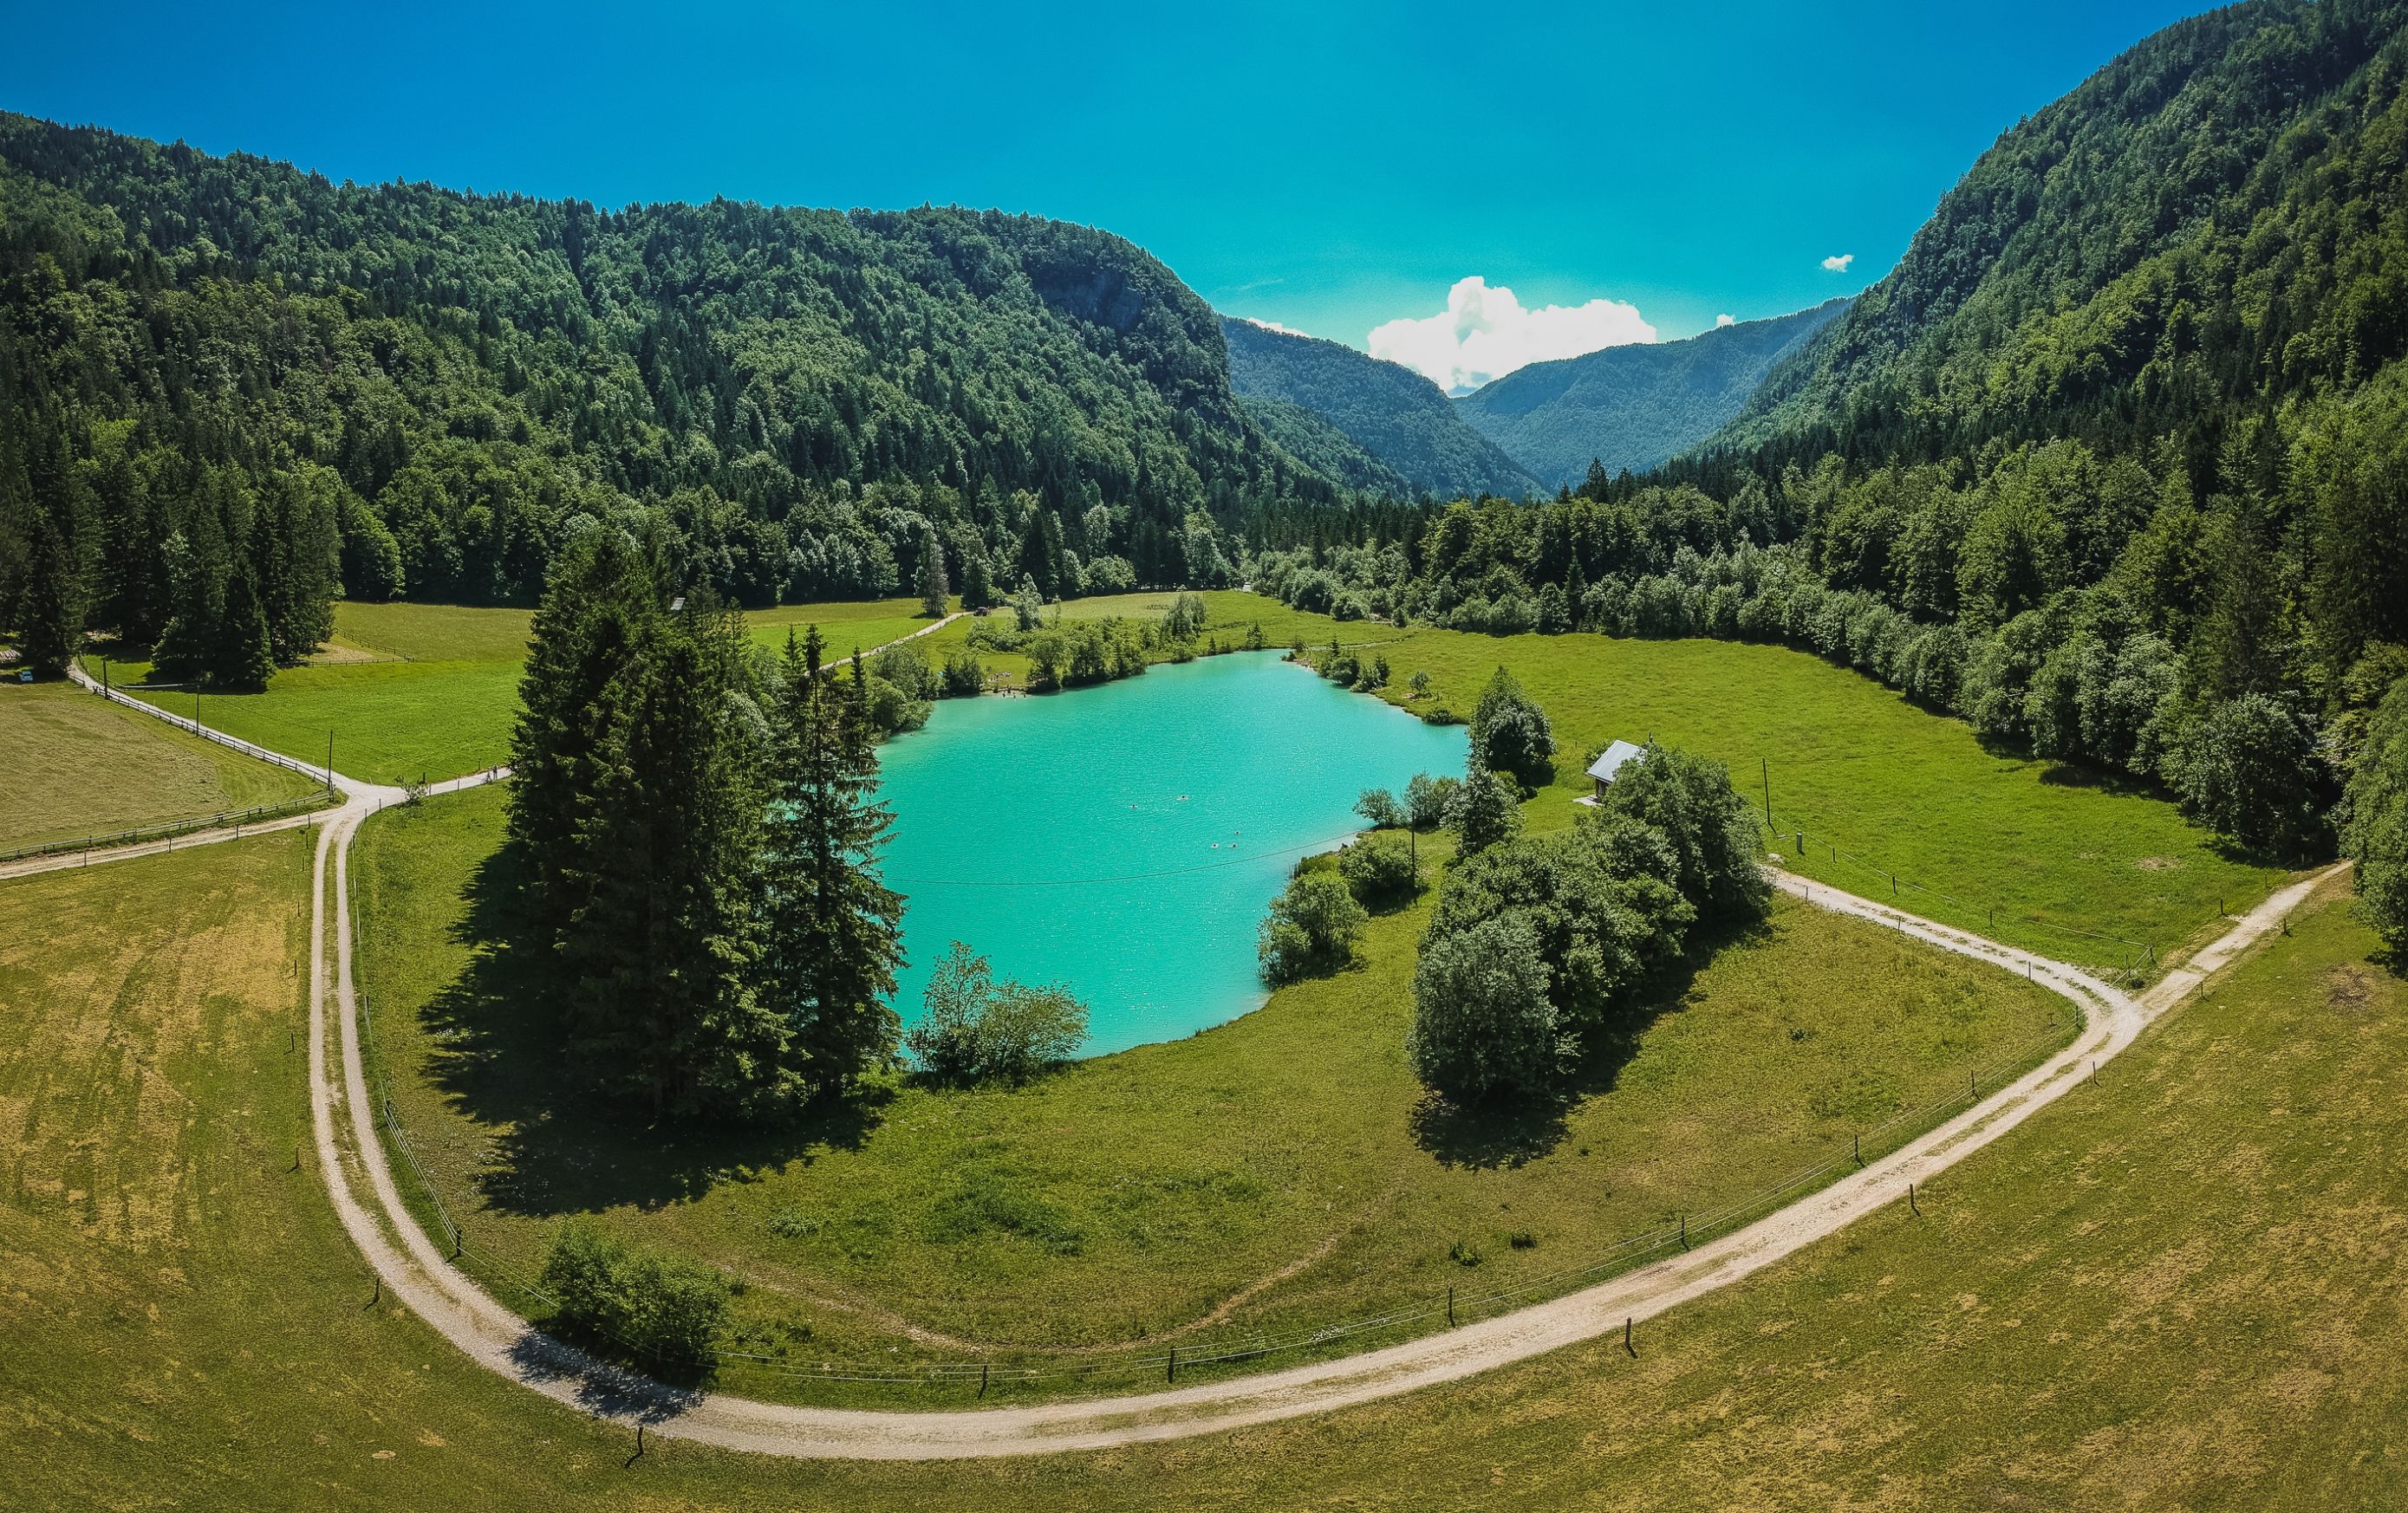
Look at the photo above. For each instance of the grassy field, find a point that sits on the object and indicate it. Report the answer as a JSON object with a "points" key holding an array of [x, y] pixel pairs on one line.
{"points": [[1229, 614], [428, 632], [78, 766], [409, 689], [1854, 766], [1875, 785], [1277, 1173], [845, 627], [2178, 1290]]}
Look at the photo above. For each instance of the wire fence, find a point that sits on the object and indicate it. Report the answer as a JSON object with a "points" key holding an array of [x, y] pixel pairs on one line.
{"points": [[169, 829], [2132, 959], [323, 774], [1074, 1368]]}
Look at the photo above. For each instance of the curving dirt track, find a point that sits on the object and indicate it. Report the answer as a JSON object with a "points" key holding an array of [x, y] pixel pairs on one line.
{"points": [[361, 1187]]}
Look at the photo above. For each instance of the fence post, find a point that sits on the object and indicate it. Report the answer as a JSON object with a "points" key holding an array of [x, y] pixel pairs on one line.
{"points": [[1625, 1339], [1450, 1307], [981, 1379], [1685, 1231], [1174, 1362], [1915, 1207]]}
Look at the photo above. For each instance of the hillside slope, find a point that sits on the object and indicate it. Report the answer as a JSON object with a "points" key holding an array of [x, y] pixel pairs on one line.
{"points": [[1633, 406], [447, 381], [2211, 221], [1386, 409]]}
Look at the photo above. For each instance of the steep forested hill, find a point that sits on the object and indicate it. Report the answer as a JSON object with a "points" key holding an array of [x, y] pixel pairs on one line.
{"points": [[1632, 406], [2113, 463], [1386, 409], [215, 366], [2212, 223], [1322, 447]]}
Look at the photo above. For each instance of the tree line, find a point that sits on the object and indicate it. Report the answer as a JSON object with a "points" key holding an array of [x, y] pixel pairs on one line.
{"points": [[428, 394], [696, 829]]}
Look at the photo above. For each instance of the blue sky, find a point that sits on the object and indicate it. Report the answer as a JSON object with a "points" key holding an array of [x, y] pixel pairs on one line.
{"points": [[1328, 168]]}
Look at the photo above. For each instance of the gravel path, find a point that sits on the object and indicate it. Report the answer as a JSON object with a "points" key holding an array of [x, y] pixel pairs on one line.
{"points": [[360, 1185]]}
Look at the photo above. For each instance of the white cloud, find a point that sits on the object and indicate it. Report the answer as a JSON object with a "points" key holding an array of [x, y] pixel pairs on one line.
{"points": [[1483, 334], [1722, 321], [1274, 326], [1839, 264]]}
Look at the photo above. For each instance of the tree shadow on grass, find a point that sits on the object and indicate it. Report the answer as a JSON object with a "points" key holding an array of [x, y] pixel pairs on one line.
{"points": [[1512, 1133], [493, 1050]]}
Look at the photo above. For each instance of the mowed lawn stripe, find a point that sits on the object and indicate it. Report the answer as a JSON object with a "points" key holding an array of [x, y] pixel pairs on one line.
{"points": [[81, 767]]}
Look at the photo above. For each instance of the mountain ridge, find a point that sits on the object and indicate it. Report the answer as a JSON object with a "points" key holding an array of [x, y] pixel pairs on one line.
{"points": [[1635, 407], [1386, 409]]}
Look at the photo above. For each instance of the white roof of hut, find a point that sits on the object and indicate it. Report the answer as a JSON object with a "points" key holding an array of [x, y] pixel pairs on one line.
{"points": [[1609, 762]]}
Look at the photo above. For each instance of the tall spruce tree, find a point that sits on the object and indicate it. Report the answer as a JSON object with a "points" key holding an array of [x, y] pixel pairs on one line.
{"points": [[665, 941], [596, 613], [835, 927], [935, 596], [50, 617]]}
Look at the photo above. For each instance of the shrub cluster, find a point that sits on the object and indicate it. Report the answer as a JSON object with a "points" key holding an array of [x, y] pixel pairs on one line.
{"points": [[974, 1028], [1539, 943], [662, 1310]]}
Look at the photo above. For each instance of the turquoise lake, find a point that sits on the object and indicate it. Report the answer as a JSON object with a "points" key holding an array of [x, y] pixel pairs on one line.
{"points": [[1124, 840]]}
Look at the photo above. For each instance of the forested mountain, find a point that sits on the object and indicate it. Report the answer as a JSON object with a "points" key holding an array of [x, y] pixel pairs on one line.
{"points": [[2208, 227], [1386, 409], [230, 384], [1322, 447], [2113, 465], [1634, 406]]}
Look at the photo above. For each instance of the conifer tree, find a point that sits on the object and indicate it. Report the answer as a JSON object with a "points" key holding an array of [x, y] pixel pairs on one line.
{"points": [[978, 582], [596, 615], [242, 655], [665, 941], [935, 595], [835, 928], [50, 618]]}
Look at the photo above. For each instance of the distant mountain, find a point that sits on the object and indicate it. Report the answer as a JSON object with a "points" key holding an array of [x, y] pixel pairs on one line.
{"points": [[1633, 406], [1398, 418], [1324, 448]]}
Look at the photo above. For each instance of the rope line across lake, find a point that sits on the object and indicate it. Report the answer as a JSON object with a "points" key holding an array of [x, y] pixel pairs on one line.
{"points": [[906, 885]]}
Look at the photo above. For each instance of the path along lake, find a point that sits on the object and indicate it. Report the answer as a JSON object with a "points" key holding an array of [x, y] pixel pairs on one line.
{"points": [[1124, 840]]}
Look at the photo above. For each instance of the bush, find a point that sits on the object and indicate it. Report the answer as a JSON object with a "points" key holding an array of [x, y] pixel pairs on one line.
{"points": [[1379, 869], [892, 709], [1509, 733], [1482, 1025], [1427, 800], [662, 1310], [2250, 770], [1712, 833], [974, 1028], [1378, 806], [1487, 809], [1311, 927], [964, 678]]}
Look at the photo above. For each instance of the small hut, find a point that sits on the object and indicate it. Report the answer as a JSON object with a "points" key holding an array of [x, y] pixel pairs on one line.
{"points": [[1608, 762]]}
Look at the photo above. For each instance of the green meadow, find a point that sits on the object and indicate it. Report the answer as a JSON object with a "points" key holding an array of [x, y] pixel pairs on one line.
{"points": [[1864, 785], [2176, 1289], [1279, 1173], [1877, 787], [79, 766]]}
